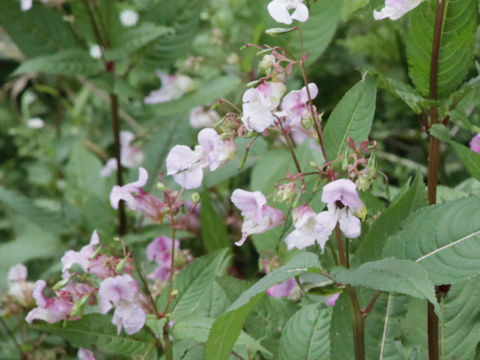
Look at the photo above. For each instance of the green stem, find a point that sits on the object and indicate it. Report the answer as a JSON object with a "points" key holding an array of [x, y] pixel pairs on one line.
{"points": [[358, 323]]}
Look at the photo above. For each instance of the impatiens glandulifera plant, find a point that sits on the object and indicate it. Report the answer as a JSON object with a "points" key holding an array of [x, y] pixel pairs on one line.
{"points": [[353, 268]]}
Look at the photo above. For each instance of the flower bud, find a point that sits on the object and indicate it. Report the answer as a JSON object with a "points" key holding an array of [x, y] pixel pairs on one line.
{"points": [[307, 123], [79, 306], [160, 186], [279, 31], [266, 64], [121, 265], [61, 284], [195, 197]]}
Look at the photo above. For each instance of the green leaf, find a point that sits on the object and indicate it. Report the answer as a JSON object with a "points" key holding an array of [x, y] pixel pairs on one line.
{"points": [[469, 158], [319, 30], [352, 116], [298, 265], [457, 44], [305, 335], [204, 95], [65, 62], [226, 329], [411, 97], [443, 238], [97, 331], [39, 31], [136, 39], [341, 334], [25, 208], [214, 231], [390, 222], [391, 275]]}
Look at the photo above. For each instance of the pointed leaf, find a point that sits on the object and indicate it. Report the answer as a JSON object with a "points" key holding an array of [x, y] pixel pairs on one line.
{"points": [[214, 231]]}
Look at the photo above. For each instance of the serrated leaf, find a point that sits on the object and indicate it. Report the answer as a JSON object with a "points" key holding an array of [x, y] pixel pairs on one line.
{"points": [[391, 275], [352, 116], [65, 62], [97, 331], [444, 239], [469, 158], [306, 335], [390, 222], [214, 231], [411, 97], [341, 334], [457, 44], [39, 31]]}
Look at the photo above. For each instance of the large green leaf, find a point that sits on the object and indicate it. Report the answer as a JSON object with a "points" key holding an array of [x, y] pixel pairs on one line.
{"points": [[391, 275], [341, 334], [444, 239], [390, 222], [319, 30], [469, 158], [214, 230], [457, 44], [352, 116], [65, 62], [40, 31], [306, 334], [97, 331]]}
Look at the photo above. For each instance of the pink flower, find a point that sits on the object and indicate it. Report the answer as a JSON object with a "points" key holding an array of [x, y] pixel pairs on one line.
{"points": [[199, 118], [85, 354], [50, 310], [295, 105], [82, 257], [160, 251], [395, 9], [18, 286], [281, 11], [18, 272], [258, 104], [282, 289], [137, 199], [258, 216], [332, 299], [173, 87], [130, 156], [122, 292], [475, 144], [186, 165]]}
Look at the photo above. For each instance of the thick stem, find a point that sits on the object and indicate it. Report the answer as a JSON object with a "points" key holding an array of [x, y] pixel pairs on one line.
{"points": [[433, 158], [358, 323]]}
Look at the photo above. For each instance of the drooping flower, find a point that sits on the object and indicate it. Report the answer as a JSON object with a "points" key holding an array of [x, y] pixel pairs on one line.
{"points": [[130, 156], [201, 118], [18, 286], [173, 87], [85, 354], [129, 18], [395, 9], [138, 199], [295, 105], [122, 293], [283, 289], [186, 165], [258, 104], [160, 251], [281, 11], [258, 216], [475, 144], [50, 310]]}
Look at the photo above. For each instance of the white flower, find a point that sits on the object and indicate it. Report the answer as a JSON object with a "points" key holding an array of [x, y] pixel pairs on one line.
{"points": [[280, 11], [199, 118], [130, 156], [395, 9], [129, 18], [173, 87], [26, 4], [35, 123], [258, 104], [96, 51]]}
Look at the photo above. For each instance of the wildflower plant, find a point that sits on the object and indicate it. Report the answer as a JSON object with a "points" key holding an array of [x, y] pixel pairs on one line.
{"points": [[237, 211]]}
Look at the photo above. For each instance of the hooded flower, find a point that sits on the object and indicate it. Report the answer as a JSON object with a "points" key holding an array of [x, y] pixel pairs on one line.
{"points": [[160, 251], [258, 104], [395, 9], [85, 354], [130, 156], [283, 289], [475, 144], [122, 292], [173, 87], [82, 257], [295, 105], [199, 118], [186, 165], [50, 310], [281, 11], [258, 216], [137, 199]]}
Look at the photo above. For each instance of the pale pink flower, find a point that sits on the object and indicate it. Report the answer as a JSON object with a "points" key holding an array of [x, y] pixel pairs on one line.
{"points": [[258, 216], [258, 104], [201, 118], [85, 354], [281, 11], [18, 286], [82, 257], [130, 156], [122, 292], [173, 87], [295, 105], [160, 251], [283, 289], [395, 9], [18, 272], [26, 4], [332, 299], [138, 199], [475, 144], [50, 310]]}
